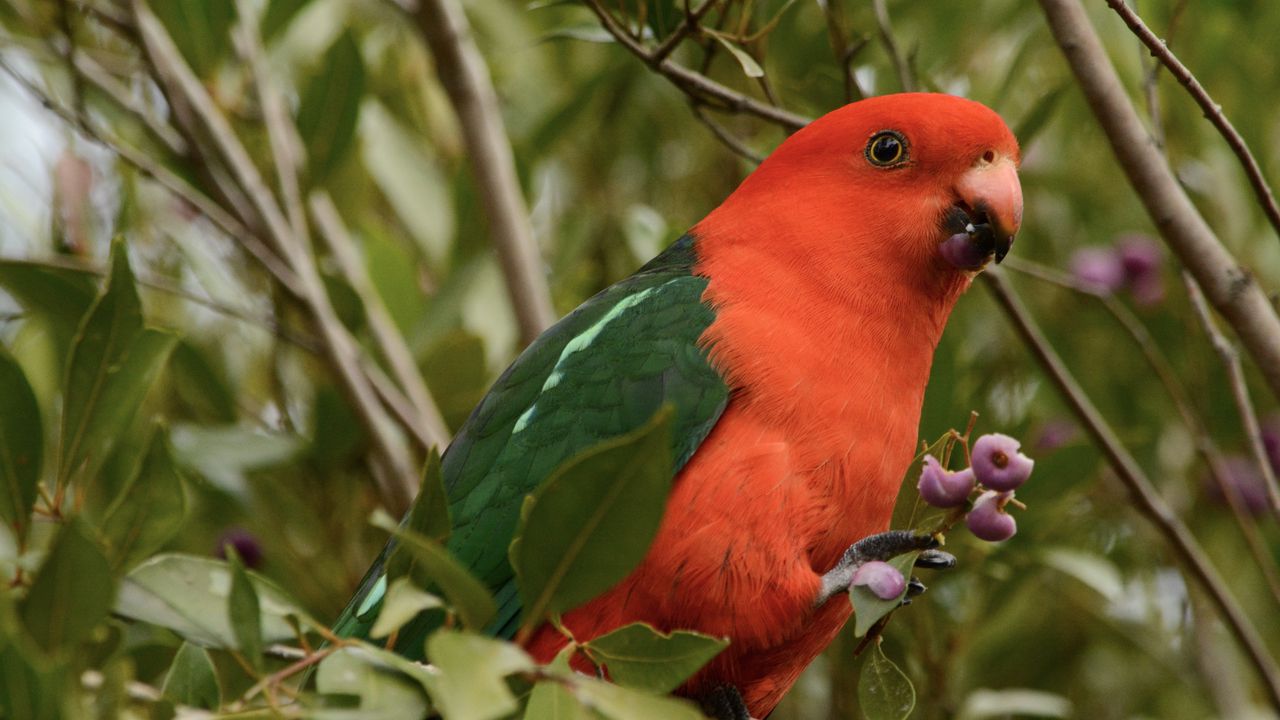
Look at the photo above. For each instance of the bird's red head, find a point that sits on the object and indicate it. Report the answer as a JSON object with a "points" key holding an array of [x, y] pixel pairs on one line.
{"points": [[895, 183]]}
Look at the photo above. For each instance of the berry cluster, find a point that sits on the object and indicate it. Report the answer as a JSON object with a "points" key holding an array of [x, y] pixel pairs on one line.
{"points": [[998, 468]]}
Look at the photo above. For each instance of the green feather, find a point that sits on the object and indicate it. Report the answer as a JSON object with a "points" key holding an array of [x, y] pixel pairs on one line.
{"points": [[600, 372]]}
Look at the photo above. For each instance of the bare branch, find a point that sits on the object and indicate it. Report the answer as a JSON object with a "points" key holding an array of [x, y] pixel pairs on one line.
{"points": [[727, 138], [691, 18], [900, 63], [1147, 498], [465, 77], [696, 84], [1212, 111], [1239, 389], [1229, 286], [397, 487], [428, 425]]}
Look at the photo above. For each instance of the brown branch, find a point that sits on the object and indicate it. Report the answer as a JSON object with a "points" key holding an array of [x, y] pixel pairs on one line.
{"points": [[462, 71], [1147, 499], [1229, 286], [1212, 111], [696, 84], [900, 63], [399, 485], [1165, 373], [731, 141], [1239, 389], [428, 425], [691, 18]]}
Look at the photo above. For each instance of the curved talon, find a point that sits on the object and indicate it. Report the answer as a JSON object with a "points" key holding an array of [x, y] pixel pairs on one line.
{"points": [[881, 546], [934, 559]]}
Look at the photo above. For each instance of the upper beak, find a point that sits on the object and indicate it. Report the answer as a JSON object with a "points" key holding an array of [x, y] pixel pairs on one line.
{"points": [[994, 196]]}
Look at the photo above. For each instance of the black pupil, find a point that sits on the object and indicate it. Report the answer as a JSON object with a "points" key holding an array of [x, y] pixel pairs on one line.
{"points": [[886, 149]]}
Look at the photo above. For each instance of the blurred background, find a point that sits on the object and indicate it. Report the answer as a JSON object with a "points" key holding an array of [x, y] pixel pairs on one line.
{"points": [[1084, 614]]}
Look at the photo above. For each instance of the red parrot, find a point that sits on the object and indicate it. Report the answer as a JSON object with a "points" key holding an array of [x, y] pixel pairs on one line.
{"points": [[793, 330]]}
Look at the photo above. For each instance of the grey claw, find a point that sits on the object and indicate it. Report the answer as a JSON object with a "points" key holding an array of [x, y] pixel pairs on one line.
{"points": [[934, 559]]}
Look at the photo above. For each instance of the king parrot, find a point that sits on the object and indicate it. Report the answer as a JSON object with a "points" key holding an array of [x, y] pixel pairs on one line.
{"points": [[792, 331]]}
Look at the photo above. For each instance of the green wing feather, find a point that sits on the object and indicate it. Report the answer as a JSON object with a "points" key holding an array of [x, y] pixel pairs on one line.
{"points": [[600, 372]]}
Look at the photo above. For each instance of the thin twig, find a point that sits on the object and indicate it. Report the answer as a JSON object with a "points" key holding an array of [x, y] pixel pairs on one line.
{"points": [[1147, 499], [167, 179], [722, 134], [1228, 285], [390, 342], [697, 84], [465, 77], [900, 63], [397, 487], [691, 18], [286, 147], [1204, 443], [1239, 389], [1212, 111], [97, 76]]}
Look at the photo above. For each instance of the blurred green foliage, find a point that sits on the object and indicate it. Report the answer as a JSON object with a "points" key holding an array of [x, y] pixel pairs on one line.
{"points": [[195, 391]]}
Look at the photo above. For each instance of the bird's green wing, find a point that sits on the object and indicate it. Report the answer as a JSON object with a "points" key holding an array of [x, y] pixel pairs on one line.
{"points": [[601, 372]]}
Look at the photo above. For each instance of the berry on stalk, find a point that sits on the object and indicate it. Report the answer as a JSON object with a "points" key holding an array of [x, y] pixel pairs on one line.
{"points": [[998, 465], [942, 488], [988, 520], [882, 579]]}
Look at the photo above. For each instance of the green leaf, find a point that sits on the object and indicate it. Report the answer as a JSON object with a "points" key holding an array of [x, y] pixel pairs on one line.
{"points": [[748, 63], [223, 454], [72, 592], [149, 511], [553, 699], [279, 14], [200, 28], [330, 107], [192, 679], [59, 295], [470, 683], [31, 688], [243, 612], [403, 602], [620, 703], [594, 519], [868, 608], [639, 656], [429, 564], [21, 444], [189, 595], [429, 514], [200, 386], [114, 362], [384, 682], [884, 692]]}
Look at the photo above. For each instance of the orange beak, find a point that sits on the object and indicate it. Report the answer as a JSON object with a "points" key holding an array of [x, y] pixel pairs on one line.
{"points": [[994, 196]]}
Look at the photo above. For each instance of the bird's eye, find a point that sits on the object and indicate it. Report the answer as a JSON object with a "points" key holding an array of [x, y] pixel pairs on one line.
{"points": [[887, 148]]}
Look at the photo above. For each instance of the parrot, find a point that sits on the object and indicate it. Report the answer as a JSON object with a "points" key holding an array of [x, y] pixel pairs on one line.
{"points": [[792, 332]]}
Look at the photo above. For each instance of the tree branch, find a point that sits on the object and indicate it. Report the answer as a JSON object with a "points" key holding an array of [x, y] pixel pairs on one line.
{"points": [[466, 80], [398, 487], [696, 84], [1229, 286], [1212, 111], [1239, 390], [1147, 498]]}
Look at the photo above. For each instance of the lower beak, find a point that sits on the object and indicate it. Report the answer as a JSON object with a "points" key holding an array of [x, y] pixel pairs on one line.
{"points": [[993, 195]]}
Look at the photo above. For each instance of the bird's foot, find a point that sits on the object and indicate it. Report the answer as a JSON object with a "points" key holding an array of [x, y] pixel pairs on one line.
{"points": [[726, 703], [884, 546]]}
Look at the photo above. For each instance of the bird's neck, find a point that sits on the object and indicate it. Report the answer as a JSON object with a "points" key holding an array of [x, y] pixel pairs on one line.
{"points": [[838, 357]]}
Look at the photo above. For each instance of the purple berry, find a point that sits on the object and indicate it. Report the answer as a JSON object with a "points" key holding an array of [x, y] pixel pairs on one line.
{"points": [[1055, 434], [942, 488], [988, 520], [961, 251], [1098, 268], [1139, 256], [882, 579], [245, 544], [1271, 441], [998, 465]]}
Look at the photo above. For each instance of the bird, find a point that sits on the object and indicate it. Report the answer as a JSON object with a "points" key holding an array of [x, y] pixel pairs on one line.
{"points": [[791, 332]]}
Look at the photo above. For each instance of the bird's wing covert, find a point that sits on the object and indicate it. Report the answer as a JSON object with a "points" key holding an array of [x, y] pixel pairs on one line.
{"points": [[600, 372]]}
